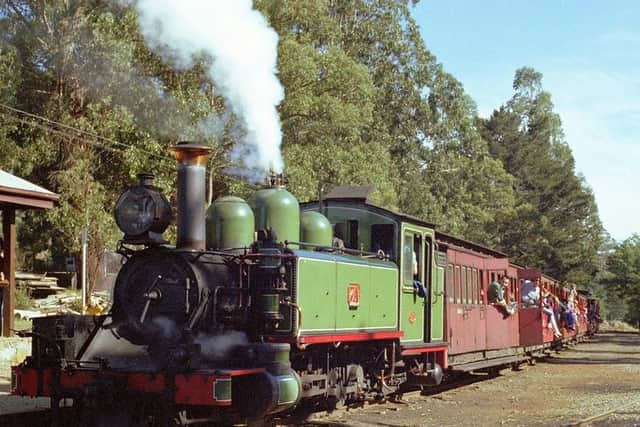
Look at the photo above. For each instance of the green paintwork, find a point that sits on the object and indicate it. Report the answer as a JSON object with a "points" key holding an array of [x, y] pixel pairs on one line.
{"points": [[365, 219], [288, 389], [316, 293], [413, 309], [420, 319], [315, 228], [437, 302], [269, 303], [383, 307], [279, 210], [230, 223], [321, 288]]}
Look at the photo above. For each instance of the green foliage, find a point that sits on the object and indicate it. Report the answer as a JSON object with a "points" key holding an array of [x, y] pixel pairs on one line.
{"points": [[84, 65], [555, 223], [366, 103], [622, 280], [23, 300]]}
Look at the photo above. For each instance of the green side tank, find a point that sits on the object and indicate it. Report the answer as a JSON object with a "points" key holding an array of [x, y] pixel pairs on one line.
{"points": [[315, 228], [276, 208], [230, 223]]}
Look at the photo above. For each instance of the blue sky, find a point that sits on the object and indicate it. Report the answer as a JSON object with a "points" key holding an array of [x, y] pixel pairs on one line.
{"points": [[589, 54]]}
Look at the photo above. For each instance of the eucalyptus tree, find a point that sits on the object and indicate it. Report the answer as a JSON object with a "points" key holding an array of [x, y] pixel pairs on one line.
{"points": [[555, 222]]}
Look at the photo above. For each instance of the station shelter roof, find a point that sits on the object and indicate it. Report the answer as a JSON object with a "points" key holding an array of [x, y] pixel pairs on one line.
{"points": [[18, 193], [15, 194]]}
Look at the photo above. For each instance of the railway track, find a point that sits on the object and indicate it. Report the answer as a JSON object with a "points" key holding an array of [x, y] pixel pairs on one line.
{"points": [[41, 418], [308, 415]]}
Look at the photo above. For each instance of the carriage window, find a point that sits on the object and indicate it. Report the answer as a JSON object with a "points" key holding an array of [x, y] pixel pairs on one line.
{"points": [[407, 259], [382, 239], [469, 286], [450, 282], [480, 290], [412, 258], [463, 284], [474, 286], [457, 285], [417, 257], [427, 262]]}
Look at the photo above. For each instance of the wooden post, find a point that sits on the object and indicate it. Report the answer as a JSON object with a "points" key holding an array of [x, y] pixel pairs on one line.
{"points": [[9, 268]]}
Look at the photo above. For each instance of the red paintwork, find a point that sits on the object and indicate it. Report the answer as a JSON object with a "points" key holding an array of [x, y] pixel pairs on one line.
{"points": [[533, 321], [533, 327], [190, 389], [364, 336], [441, 353], [501, 332], [465, 325]]}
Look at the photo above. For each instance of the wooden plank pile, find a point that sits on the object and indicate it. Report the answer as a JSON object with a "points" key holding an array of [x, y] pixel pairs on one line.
{"points": [[38, 285], [61, 304]]}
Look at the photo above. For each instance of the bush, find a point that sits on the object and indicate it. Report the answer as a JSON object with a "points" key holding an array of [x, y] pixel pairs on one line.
{"points": [[23, 300]]}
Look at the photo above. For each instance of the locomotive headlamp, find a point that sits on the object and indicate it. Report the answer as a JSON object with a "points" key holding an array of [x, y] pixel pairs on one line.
{"points": [[142, 212]]}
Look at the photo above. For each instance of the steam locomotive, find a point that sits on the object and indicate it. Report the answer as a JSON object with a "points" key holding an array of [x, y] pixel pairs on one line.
{"points": [[263, 305]]}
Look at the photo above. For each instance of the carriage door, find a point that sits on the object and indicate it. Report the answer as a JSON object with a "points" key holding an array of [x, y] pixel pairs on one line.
{"points": [[426, 262], [412, 306]]}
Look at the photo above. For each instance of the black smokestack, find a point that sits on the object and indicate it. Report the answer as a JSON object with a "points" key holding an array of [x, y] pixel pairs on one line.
{"points": [[192, 160]]}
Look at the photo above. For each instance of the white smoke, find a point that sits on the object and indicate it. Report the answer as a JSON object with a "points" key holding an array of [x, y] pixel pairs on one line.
{"points": [[244, 52], [217, 347]]}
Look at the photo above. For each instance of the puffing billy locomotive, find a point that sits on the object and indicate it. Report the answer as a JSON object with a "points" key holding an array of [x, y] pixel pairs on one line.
{"points": [[242, 318], [266, 304]]}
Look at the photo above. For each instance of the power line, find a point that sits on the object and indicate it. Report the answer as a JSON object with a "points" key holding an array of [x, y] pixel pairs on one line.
{"points": [[58, 132], [95, 136]]}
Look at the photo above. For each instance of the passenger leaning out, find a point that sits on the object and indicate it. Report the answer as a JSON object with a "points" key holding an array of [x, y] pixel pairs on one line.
{"points": [[530, 292], [495, 296], [547, 308]]}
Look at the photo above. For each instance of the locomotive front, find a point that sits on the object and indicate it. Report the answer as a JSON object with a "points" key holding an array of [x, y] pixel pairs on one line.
{"points": [[188, 323]]}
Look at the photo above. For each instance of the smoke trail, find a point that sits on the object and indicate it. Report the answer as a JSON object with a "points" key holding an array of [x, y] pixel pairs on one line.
{"points": [[244, 52]]}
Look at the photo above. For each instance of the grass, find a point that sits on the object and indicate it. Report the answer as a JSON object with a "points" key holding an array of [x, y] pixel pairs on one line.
{"points": [[23, 300], [617, 326], [21, 324]]}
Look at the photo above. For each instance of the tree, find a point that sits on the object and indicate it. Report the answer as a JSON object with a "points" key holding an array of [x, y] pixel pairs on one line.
{"points": [[555, 223], [623, 278], [102, 108], [392, 118]]}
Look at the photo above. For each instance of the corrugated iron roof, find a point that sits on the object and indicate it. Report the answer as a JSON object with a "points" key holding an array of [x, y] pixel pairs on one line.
{"points": [[19, 193], [12, 181]]}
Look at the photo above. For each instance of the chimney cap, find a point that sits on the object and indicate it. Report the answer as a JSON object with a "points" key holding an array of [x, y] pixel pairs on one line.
{"points": [[191, 152]]}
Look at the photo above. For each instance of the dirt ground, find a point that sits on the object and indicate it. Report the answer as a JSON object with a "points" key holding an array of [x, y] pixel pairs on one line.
{"points": [[585, 380]]}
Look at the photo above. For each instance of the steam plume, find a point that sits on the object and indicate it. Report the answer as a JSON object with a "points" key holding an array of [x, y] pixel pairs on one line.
{"points": [[244, 52], [217, 347]]}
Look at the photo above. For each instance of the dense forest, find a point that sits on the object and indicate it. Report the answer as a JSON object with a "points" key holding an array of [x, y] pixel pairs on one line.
{"points": [[86, 104]]}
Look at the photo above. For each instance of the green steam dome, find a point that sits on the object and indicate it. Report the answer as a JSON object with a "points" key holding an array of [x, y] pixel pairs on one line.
{"points": [[277, 209], [230, 223], [315, 228]]}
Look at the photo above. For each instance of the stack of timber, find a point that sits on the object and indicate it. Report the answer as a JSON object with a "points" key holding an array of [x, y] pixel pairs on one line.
{"points": [[38, 285], [66, 303]]}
